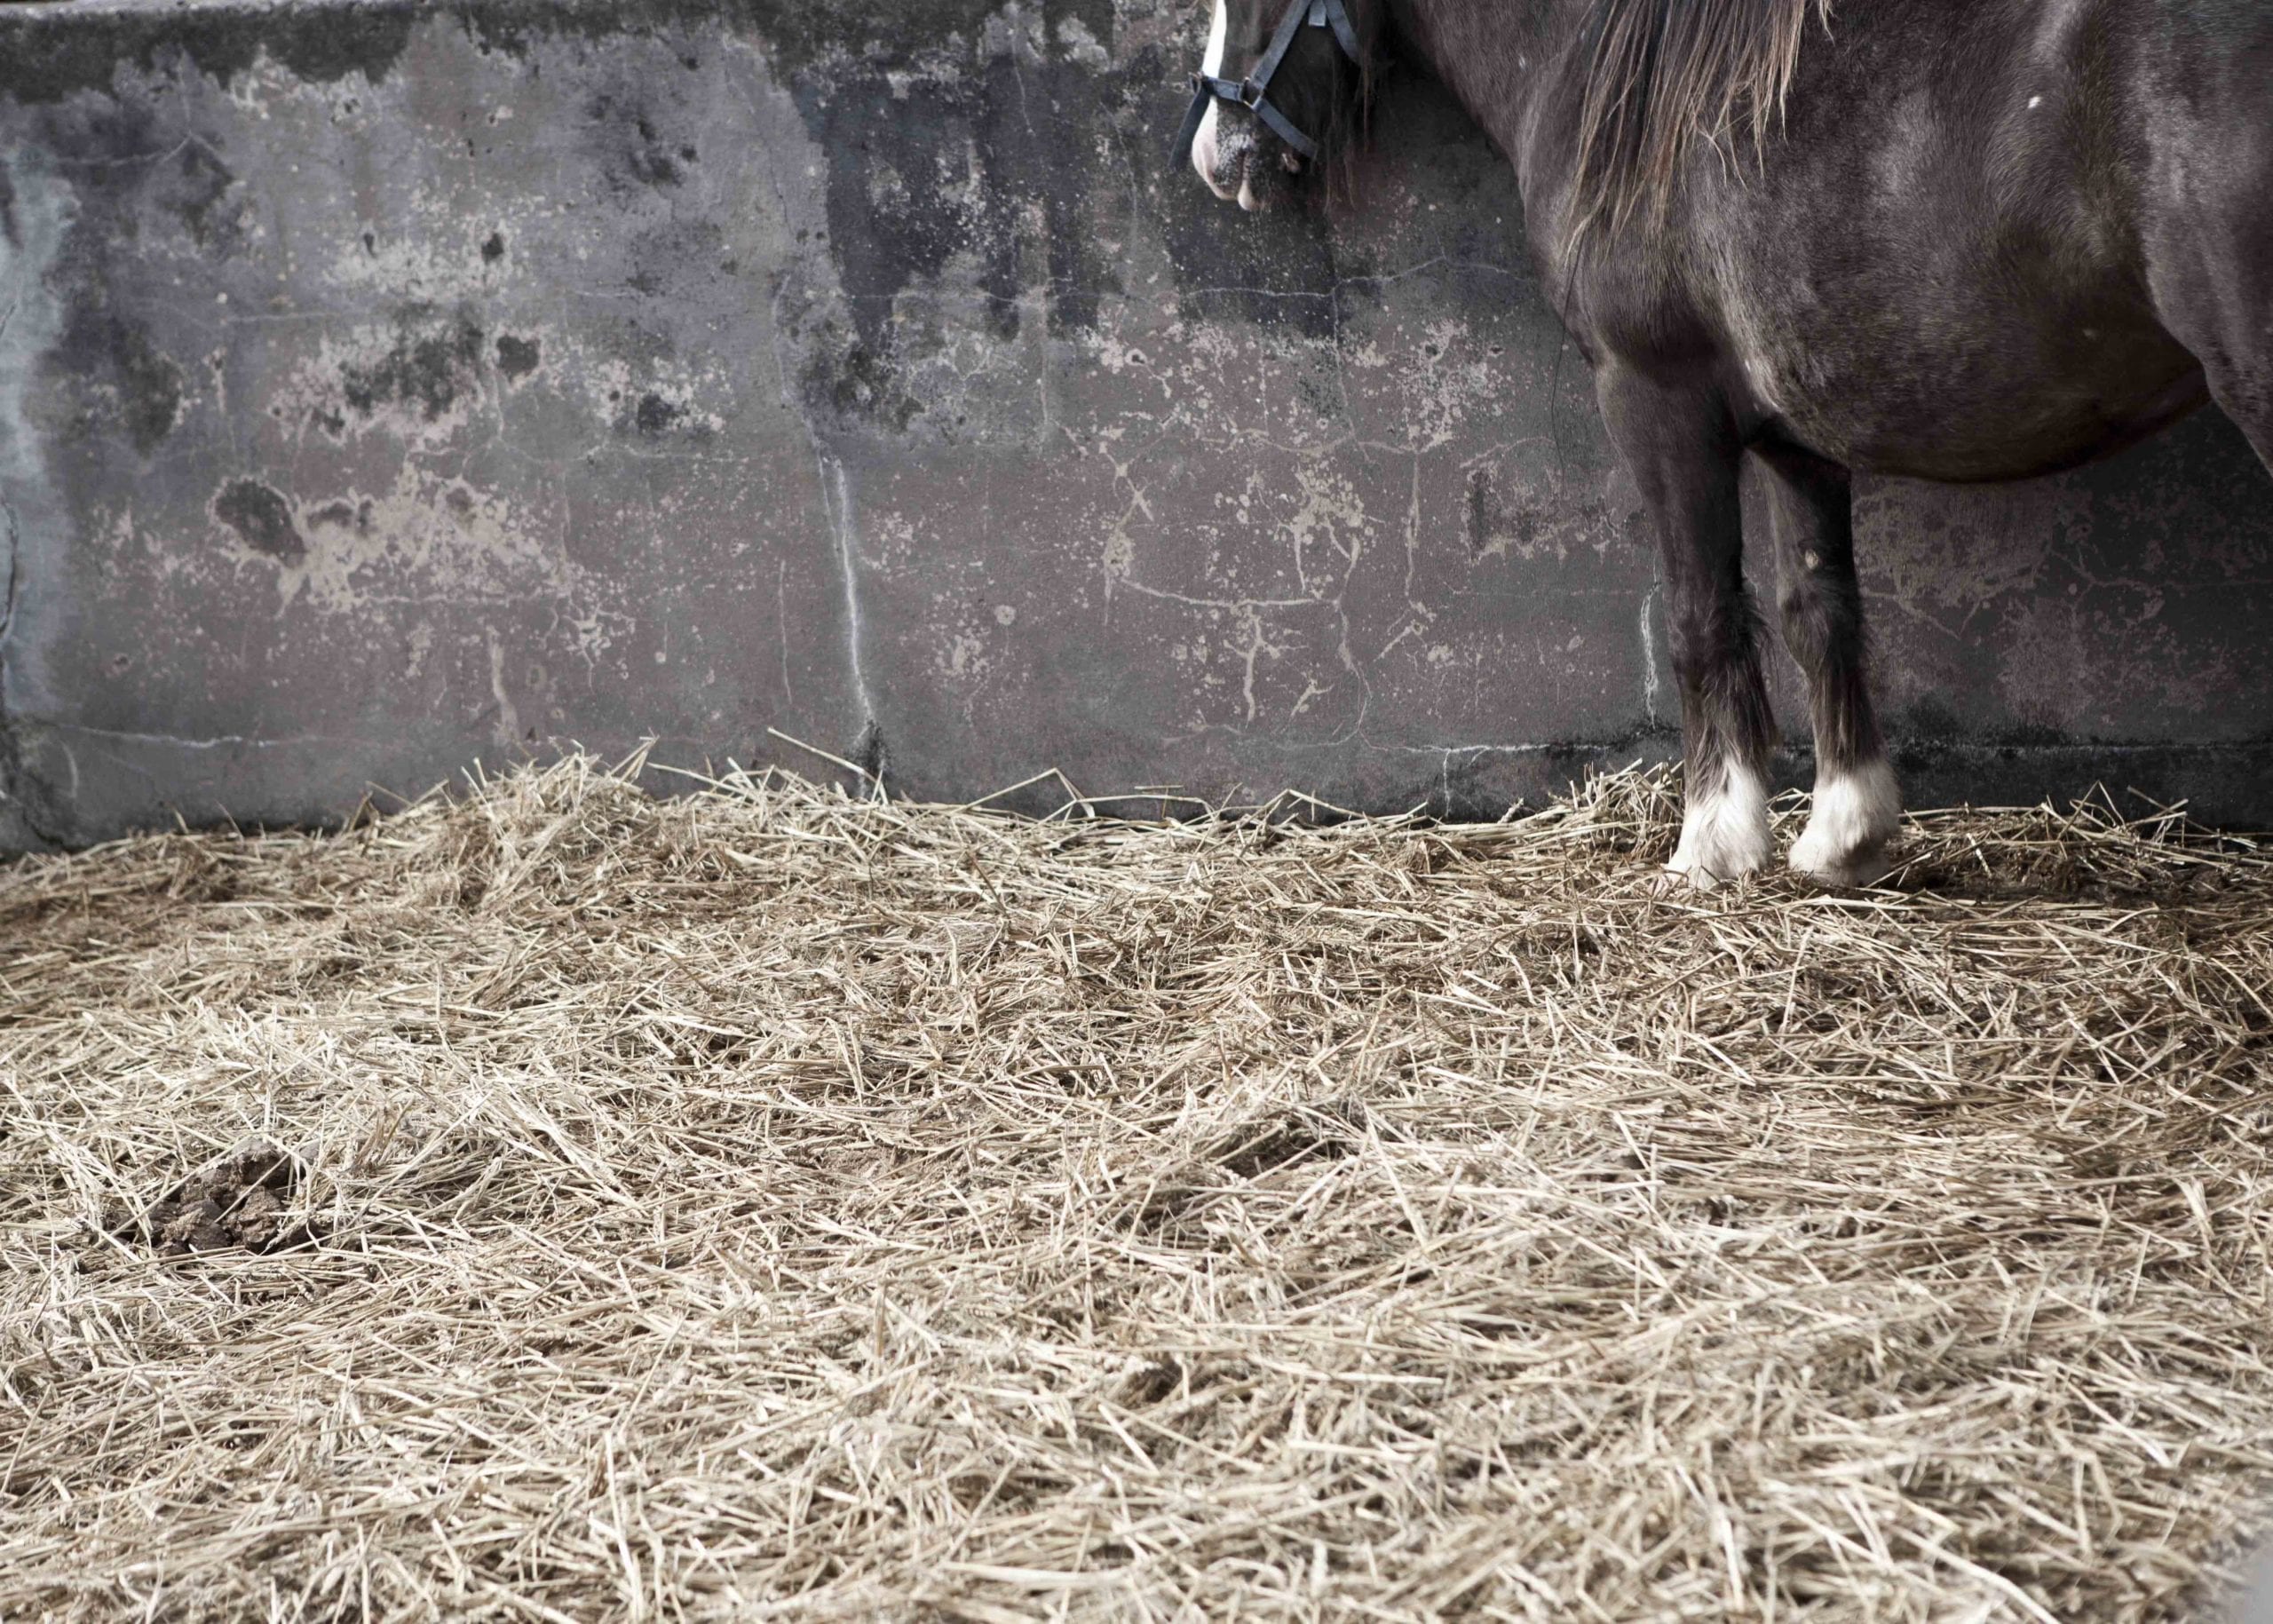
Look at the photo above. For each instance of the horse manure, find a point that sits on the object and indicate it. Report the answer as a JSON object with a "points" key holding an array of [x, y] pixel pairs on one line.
{"points": [[239, 1200]]}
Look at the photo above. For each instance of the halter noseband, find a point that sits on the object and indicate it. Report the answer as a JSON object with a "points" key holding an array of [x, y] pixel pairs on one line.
{"points": [[1252, 93]]}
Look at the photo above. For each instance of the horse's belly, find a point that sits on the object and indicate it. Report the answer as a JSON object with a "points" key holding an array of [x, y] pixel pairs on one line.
{"points": [[2039, 378]]}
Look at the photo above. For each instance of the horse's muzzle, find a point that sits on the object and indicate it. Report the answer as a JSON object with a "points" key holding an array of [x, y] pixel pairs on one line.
{"points": [[1243, 163]]}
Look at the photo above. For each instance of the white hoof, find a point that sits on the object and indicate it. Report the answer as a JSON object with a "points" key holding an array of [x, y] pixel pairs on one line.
{"points": [[1854, 820], [1723, 833]]}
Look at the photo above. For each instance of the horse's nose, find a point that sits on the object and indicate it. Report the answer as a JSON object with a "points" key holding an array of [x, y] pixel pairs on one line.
{"points": [[1271, 197], [1221, 156]]}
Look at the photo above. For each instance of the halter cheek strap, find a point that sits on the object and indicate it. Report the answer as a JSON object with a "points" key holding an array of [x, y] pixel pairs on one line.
{"points": [[1252, 93]]}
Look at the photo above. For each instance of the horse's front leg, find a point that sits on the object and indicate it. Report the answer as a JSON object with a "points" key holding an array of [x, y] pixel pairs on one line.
{"points": [[1681, 446], [1857, 803]]}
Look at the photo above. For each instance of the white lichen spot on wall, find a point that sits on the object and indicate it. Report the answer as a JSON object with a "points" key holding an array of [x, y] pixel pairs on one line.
{"points": [[1454, 376], [1117, 357], [964, 657], [1966, 548], [433, 539], [1120, 557], [1079, 45], [1016, 32], [1329, 527], [416, 380]]}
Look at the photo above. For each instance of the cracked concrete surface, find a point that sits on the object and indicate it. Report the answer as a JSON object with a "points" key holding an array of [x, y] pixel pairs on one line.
{"points": [[431, 387]]}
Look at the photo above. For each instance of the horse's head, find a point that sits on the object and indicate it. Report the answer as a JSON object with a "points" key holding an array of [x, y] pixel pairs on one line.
{"points": [[1280, 94]]}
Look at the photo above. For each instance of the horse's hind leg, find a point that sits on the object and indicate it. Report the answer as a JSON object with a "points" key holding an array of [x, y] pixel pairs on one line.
{"points": [[2238, 364], [1681, 447], [2209, 241], [1857, 803]]}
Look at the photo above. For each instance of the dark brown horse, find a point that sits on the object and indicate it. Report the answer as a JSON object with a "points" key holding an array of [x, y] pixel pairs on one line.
{"points": [[1959, 240]]}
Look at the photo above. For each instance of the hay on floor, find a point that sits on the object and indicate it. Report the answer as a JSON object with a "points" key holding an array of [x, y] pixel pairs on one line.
{"points": [[562, 1205]]}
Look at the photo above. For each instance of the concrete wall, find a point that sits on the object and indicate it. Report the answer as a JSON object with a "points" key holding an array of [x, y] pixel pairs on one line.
{"points": [[384, 387]]}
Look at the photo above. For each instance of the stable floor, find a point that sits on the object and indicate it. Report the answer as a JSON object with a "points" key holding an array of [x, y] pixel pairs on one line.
{"points": [[559, 1204]]}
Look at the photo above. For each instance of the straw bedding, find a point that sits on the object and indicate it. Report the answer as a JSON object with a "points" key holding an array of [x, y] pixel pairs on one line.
{"points": [[558, 1204]]}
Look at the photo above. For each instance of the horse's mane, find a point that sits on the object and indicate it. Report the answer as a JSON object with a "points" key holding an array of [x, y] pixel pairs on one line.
{"points": [[1662, 75]]}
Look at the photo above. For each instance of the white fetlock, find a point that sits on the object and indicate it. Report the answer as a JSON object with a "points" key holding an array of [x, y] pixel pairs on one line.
{"points": [[1855, 817], [1723, 832]]}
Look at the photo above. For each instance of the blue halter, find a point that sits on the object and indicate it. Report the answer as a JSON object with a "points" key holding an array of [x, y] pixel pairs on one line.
{"points": [[1252, 93]]}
